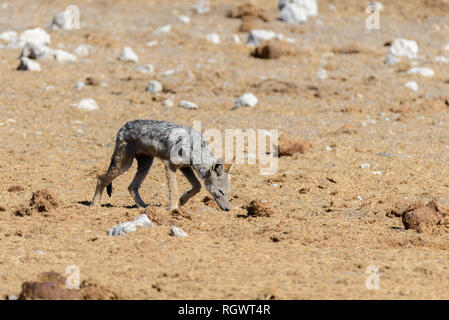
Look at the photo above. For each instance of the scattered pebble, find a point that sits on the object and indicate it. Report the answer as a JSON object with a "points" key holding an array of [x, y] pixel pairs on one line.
{"points": [[213, 38], [404, 48], [162, 30], [147, 69], [246, 100], [392, 59], [12, 297], [128, 55], [309, 7], [184, 19], [425, 72], [131, 226], [236, 38], [168, 103], [27, 64], [177, 232], [255, 37], [365, 166], [201, 7], [87, 104], [79, 85], [9, 36], [412, 85], [63, 56], [60, 22], [154, 87], [446, 47], [187, 105], [167, 73], [322, 74], [37, 36], [442, 59], [152, 43], [40, 252], [82, 50], [36, 51], [291, 13]]}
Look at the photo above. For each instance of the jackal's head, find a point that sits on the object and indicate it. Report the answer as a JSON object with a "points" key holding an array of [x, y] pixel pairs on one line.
{"points": [[218, 183]]}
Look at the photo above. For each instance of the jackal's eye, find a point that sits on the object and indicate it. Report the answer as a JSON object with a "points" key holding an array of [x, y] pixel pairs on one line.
{"points": [[221, 193]]}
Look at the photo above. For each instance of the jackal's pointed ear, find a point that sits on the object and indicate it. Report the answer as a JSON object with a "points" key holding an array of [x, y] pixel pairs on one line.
{"points": [[228, 167], [218, 167]]}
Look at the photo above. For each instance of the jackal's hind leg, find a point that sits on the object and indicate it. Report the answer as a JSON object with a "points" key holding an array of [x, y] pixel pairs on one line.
{"points": [[143, 167], [196, 185], [170, 172], [121, 161]]}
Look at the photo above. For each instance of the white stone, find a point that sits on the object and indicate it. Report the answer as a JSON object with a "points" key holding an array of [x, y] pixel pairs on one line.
{"points": [[391, 59], [79, 85], [27, 64], [162, 30], [60, 22], [128, 55], [246, 100], [147, 69], [310, 7], [122, 229], [167, 73], [36, 36], [404, 48], [177, 232], [87, 104], [412, 85], [425, 72], [201, 7], [9, 36], [143, 221], [291, 13], [130, 226], [152, 43], [63, 56], [184, 19], [236, 38], [257, 36], [365, 166], [442, 59], [168, 103], [213, 38], [36, 51], [154, 87], [187, 104], [322, 74], [446, 47], [82, 50]]}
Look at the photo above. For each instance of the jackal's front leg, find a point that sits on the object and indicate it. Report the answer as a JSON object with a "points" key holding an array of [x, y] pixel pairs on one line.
{"points": [[170, 172], [196, 185]]}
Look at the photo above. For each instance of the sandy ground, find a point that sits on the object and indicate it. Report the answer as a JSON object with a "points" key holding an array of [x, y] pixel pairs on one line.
{"points": [[330, 220]]}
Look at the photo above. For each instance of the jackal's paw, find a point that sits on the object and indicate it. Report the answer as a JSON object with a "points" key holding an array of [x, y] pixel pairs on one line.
{"points": [[183, 200]]}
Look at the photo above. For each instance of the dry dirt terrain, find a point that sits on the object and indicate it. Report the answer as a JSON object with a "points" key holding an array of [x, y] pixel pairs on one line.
{"points": [[332, 216]]}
